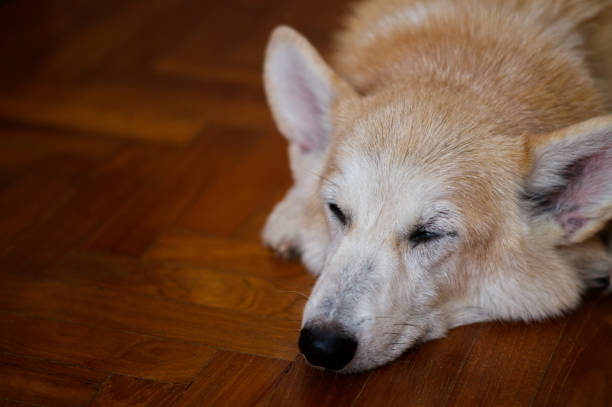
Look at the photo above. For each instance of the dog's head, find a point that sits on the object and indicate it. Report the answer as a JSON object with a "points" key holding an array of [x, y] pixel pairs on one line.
{"points": [[422, 211]]}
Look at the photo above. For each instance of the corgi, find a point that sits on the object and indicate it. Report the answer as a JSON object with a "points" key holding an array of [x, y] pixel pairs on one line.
{"points": [[452, 164]]}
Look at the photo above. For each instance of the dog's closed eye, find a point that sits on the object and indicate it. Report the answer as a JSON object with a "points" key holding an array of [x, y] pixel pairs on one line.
{"points": [[337, 212], [421, 235]]}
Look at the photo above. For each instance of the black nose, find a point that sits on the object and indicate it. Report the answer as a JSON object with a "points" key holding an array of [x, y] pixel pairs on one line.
{"points": [[327, 347]]}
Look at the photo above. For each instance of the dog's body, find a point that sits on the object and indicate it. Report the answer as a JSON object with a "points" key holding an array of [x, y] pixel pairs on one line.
{"points": [[455, 167]]}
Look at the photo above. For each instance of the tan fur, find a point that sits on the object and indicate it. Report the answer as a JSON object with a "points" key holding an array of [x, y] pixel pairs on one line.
{"points": [[470, 94]]}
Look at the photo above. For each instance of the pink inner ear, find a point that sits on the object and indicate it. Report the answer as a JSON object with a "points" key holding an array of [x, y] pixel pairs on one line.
{"points": [[305, 109], [573, 221], [305, 101], [590, 187], [305, 147]]}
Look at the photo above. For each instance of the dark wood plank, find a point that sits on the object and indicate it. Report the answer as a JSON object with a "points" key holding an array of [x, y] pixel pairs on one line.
{"points": [[13, 403], [150, 208], [30, 148], [129, 40], [113, 308], [266, 170], [201, 49], [249, 258], [244, 41], [94, 107], [28, 201], [506, 363], [172, 184], [103, 193], [42, 382], [580, 371], [102, 349], [50, 26], [306, 386], [245, 292], [45, 169], [85, 97], [424, 376], [92, 103], [232, 379], [131, 391]]}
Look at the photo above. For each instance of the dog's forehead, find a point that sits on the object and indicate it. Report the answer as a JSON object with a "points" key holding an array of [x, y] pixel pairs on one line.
{"points": [[408, 157], [391, 144], [405, 130], [404, 162], [379, 189]]}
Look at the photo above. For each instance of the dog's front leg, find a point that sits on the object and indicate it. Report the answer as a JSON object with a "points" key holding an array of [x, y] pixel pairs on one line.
{"points": [[297, 226], [283, 229]]}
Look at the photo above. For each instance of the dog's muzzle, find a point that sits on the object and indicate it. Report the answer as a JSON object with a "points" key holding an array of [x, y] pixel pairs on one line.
{"points": [[327, 347]]}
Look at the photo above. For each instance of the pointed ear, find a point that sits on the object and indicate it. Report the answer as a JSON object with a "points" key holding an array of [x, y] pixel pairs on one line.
{"points": [[301, 89], [571, 177]]}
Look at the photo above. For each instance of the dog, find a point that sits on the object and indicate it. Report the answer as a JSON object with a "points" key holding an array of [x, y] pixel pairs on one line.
{"points": [[451, 165]]}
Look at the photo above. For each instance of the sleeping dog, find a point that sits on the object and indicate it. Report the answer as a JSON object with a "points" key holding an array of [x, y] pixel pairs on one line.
{"points": [[453, 164]]}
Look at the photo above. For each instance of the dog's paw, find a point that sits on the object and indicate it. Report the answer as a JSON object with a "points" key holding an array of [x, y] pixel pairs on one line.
{"points": [[286, 250], [282, 231], [283, 245]]}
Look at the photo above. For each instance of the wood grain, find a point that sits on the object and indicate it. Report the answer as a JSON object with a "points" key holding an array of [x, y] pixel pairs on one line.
{"points": [[423, 376], [85, 211], [40, 381], [110, 309], [228, 255], [132, 392], [13, 403], [196, 284], [102, 349], [497, 362], [306, 386], [176, 178], [580, 370], [28, 150], [232, 379], [266, 170]]}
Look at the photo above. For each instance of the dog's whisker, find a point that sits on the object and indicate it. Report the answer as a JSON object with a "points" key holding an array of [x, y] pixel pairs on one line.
{"points": [[296, 292], [321, 176]]}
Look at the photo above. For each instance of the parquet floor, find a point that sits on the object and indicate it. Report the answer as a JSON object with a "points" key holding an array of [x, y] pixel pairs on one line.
{"points": [[138, 161]]}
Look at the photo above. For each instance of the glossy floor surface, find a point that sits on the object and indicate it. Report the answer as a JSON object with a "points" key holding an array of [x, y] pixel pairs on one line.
{"points": [[138, 162]]}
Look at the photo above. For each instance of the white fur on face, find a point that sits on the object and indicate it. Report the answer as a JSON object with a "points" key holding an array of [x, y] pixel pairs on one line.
{"points": [[375, 283]]}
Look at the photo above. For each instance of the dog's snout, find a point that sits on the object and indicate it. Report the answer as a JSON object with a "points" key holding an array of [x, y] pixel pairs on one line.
{"points": [[327, 347]]}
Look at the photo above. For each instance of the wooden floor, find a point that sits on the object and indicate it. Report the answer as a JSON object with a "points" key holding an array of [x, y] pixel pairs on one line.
{"points": [[138, 161]]}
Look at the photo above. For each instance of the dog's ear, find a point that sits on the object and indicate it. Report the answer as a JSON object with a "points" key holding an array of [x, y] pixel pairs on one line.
{"points": [[571, 177], [301, 89]]}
